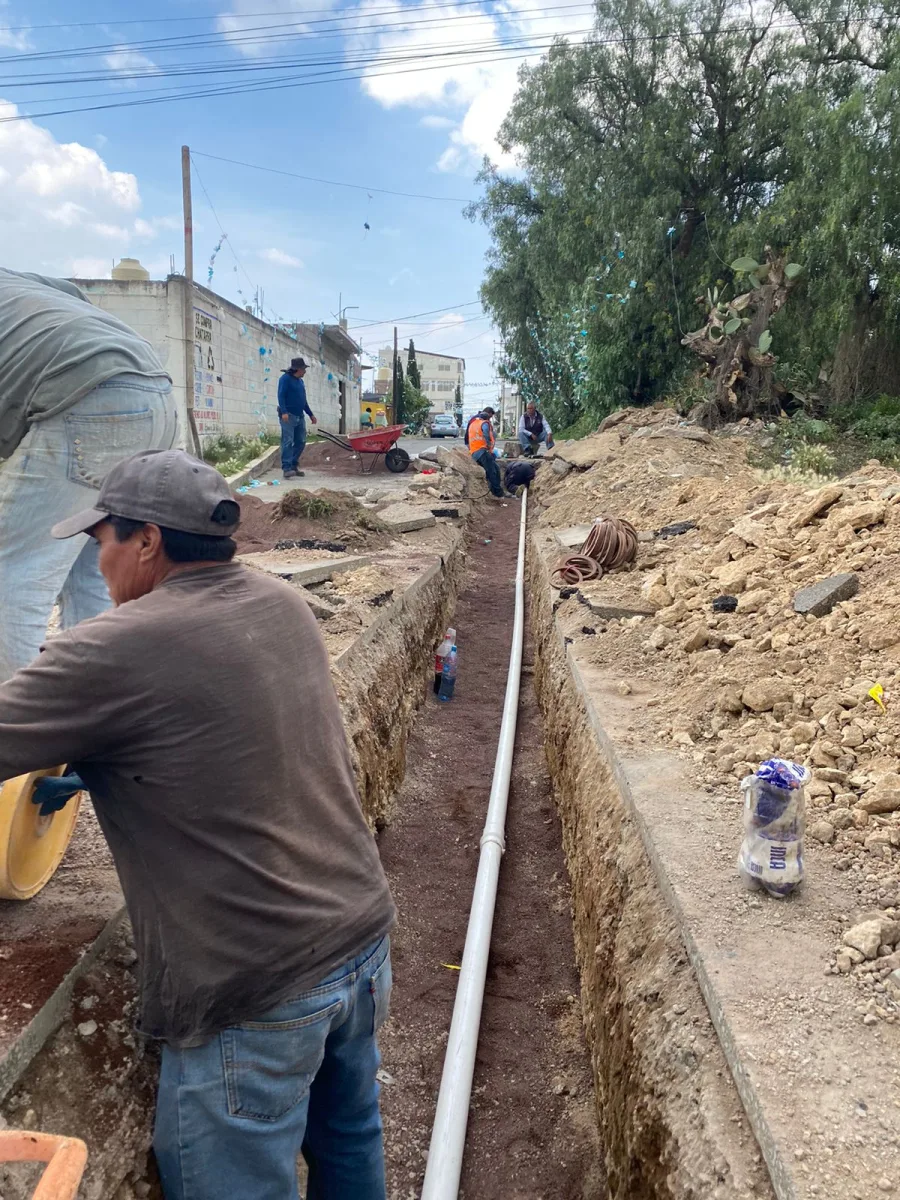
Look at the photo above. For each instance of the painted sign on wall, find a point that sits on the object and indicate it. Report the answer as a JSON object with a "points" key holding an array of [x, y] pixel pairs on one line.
{"points": [[209, 400]]}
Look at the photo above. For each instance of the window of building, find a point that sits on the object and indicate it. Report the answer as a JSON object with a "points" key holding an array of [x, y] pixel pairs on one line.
{"points": [[444, 367]]}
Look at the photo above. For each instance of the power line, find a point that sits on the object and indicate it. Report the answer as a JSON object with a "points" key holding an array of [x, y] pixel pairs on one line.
{"points": [[276, 317], [366, 323], [459, 345], [268, 33], [312, 81], [270, 62], [229, 67], [343, 76], [330, 182], [219, 16]]}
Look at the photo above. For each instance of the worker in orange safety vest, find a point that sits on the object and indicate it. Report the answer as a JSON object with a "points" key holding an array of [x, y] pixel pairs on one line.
{"points": [[480, 440]]}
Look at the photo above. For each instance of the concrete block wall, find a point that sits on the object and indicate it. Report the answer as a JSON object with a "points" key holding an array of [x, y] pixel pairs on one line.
{"points": [[238, 358]]}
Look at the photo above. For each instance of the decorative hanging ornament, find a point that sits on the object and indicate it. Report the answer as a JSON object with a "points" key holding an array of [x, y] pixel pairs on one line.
{"points": [[212, 258]]}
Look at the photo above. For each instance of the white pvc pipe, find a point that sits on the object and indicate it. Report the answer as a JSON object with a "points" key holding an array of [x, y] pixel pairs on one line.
{"points": [[448, 1136]]}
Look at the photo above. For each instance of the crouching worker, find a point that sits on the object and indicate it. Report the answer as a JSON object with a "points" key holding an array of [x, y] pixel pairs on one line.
{"points": [[534, 430], [201, 716], [480, 440], [518, 474]]}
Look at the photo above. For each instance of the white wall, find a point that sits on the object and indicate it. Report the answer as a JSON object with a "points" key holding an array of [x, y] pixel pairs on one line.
{"points": [[238, 359]]}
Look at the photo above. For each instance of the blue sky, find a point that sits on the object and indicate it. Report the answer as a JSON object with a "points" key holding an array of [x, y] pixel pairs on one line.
{"points": [[421, 88]]}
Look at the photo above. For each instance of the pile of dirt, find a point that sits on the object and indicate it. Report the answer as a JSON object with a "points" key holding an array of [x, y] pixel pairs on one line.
{"points": [[729, 689], [323, 515]]}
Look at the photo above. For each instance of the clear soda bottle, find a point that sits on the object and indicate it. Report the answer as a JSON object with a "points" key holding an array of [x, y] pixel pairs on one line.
{"points": [[448, 675]]}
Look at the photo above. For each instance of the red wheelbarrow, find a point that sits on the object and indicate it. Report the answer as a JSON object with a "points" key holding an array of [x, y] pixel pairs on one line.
{"points": [[376, 442]]}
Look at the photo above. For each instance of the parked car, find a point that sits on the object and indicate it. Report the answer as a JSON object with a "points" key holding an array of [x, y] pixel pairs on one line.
{"points": [[443, 425]]}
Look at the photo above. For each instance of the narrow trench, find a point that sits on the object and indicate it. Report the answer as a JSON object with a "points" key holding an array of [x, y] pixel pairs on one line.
{"points": [[532, 1129]]}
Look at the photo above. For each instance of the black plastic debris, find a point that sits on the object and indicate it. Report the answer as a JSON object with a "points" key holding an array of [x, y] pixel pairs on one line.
{"points": [[676, 530], [382, 598], [588, 630], [310, 544], [725, 604]]}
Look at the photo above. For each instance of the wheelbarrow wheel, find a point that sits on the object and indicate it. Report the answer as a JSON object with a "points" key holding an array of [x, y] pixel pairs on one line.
{"points": [[31, 846], [397, 460]]}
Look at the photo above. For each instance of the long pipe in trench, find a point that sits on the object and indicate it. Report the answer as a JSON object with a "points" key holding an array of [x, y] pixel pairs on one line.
{"points": [[448, 1137]]}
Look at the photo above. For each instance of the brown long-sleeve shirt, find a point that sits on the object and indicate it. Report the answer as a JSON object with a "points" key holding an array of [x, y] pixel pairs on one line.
{"points": [[204, 722]]}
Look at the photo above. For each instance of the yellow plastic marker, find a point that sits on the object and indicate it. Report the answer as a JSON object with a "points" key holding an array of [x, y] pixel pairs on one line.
{"points": [[877, 694], [451, 967], [31, 846]]}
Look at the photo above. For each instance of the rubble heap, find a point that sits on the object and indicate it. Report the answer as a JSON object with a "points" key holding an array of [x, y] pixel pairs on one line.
{"points": [[765, 626]]}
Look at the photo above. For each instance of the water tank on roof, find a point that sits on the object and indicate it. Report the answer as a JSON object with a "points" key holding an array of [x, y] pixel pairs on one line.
{"points": [[130, 268]]}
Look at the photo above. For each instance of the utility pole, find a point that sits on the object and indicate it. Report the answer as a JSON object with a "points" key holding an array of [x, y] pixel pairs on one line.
{"points": [[398, 397], [188, 298]]}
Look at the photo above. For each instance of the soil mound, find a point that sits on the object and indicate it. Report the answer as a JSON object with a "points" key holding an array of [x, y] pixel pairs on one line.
{"points": [[300, 515]]}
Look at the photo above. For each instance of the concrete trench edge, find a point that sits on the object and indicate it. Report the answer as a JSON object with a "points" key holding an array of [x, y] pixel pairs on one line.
{"points": [[53, 1011], [782, 1183]]}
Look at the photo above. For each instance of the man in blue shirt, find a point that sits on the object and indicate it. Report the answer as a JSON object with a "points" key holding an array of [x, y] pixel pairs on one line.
{"points": [[293, 410]]}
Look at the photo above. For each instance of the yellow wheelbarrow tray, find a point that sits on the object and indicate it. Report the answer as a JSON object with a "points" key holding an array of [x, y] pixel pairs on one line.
{"points": [[31, 846]]}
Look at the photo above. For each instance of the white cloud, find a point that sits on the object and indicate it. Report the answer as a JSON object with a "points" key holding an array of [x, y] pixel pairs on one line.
{"points": [[65, 210], [278, 258], [90, 268], [12, 39], [252, 34], [113, 233], [417, 30], [129, 62], [151, 228], [478, 88]]}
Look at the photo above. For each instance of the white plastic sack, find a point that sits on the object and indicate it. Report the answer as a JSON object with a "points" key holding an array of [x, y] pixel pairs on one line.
{"points": [[771, 854]]}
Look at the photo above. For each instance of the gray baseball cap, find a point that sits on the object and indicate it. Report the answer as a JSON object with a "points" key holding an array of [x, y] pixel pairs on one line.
{"points": [[161, 487]]}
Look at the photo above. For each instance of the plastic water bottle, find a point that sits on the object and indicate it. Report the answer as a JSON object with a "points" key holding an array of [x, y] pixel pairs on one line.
{"points": [[440, 654], [771, 854], [448, 675]]}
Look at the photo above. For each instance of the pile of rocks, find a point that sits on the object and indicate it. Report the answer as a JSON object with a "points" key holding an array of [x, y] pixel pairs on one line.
{"points": [[794, 671]]}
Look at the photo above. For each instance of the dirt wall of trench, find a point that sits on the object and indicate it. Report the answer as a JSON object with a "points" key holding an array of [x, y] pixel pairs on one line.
{"points": [[380, 680], [670, 1117], [93, 1079]]}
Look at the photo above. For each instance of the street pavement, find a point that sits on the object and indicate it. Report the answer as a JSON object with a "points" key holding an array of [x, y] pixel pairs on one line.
{"points": [[343, 473]]}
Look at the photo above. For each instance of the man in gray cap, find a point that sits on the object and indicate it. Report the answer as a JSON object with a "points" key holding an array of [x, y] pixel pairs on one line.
{"points": [[201, 716], [80, 392]]}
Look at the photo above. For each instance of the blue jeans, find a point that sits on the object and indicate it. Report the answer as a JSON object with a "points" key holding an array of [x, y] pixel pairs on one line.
{"points": [[52, 474], [293, 441], [488, 463], [234, 1114], [527, 444]]}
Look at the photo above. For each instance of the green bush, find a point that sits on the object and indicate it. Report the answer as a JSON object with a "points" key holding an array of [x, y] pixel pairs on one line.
{"points": [[813, 460], [231, 452]]}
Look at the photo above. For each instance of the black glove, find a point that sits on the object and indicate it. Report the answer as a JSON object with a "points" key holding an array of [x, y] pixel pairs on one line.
{"points": [[53, 792]]}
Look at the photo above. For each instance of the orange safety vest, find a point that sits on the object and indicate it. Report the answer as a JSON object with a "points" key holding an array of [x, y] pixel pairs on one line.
{"points": [[475, 435]]}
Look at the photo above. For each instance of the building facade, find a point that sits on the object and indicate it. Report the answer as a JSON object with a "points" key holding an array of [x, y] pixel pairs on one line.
{"points": [[510, 408], [441, 375], [237, 358]]}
